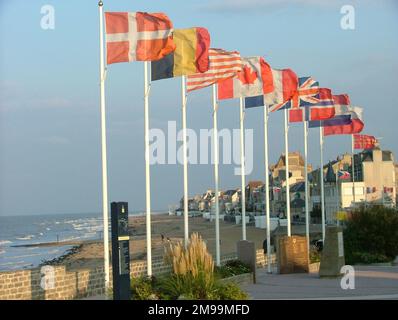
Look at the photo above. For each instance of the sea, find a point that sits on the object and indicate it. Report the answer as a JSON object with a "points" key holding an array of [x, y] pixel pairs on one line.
{"points": [[35, 229]]}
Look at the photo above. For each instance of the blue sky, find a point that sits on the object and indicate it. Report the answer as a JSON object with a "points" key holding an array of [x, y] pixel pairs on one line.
{"points": [[49, 103]]}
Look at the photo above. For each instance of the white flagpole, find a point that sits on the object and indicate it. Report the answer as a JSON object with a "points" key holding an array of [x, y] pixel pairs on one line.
{"points": [[307, 215], [353, 168], [147, 171], [215, 142], [289, 233], [266, 171], [103, 149], [242, 165], [322, 184], [185, 161]]}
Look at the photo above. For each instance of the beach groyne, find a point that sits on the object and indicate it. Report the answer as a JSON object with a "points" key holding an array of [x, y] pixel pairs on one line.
{"points": [[59, 283]]}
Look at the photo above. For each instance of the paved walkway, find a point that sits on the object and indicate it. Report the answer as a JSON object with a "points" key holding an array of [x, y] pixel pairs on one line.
{"points": [[371, 282]]}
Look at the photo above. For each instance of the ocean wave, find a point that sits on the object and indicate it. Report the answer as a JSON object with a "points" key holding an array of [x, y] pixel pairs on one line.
{"points": [[71, 238], [83, 221], [90, 226], [32, 248], [15, 265], [2, 251], [3, 242], [25, 256], [28, 237], [90, 234]]}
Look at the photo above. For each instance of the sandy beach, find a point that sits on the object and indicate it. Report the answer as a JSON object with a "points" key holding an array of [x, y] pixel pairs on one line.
{"points": [[90, 254]]}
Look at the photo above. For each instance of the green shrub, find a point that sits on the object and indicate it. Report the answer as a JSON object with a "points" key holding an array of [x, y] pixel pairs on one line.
{"points": [[371, 235], [197, 288], [193, 274], [365, 257], [315, 256], [172, 287], [232, 268], [231, 291], [141, 288]]}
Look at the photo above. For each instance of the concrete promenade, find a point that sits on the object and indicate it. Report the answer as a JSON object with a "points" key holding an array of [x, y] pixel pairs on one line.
{"points": [[371, 282]]}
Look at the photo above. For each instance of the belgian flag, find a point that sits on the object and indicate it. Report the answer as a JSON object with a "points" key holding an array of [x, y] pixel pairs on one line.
{"points": [[191, 55]]}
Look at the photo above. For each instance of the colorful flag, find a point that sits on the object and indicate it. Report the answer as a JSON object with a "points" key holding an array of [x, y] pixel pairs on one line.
{"points": [[285, 84], [307, 93], [254, 79], [343, 175], [355, 126], [190, 56], [322, 109], [137, 36], [342, 116], [363, 141], [222, 65], [276, 192]]}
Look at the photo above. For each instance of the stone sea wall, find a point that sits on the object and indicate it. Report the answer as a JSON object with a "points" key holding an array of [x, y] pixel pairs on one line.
{"points": [[60, 283]]}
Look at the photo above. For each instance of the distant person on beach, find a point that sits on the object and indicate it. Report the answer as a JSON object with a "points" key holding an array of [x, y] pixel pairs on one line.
{"points": [[162, 236]]}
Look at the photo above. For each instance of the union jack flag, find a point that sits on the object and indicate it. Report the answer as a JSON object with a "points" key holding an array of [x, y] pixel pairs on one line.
{"points": [[307, 94], [343, 174], [323, 109]]}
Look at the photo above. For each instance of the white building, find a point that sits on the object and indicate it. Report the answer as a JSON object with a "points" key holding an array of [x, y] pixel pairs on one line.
{"points": [[374, 181]]}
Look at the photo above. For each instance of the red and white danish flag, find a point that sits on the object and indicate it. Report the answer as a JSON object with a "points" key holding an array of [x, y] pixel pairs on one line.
{"points": [[138, 36]]}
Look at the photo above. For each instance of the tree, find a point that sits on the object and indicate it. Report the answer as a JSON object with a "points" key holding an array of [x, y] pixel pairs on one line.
{"points": [[371, 235]]}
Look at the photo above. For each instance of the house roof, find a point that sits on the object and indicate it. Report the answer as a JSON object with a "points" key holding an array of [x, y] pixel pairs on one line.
{"points": [[295, 155], [254, 184], [230, 192], [330, 175], [298, 187]]}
